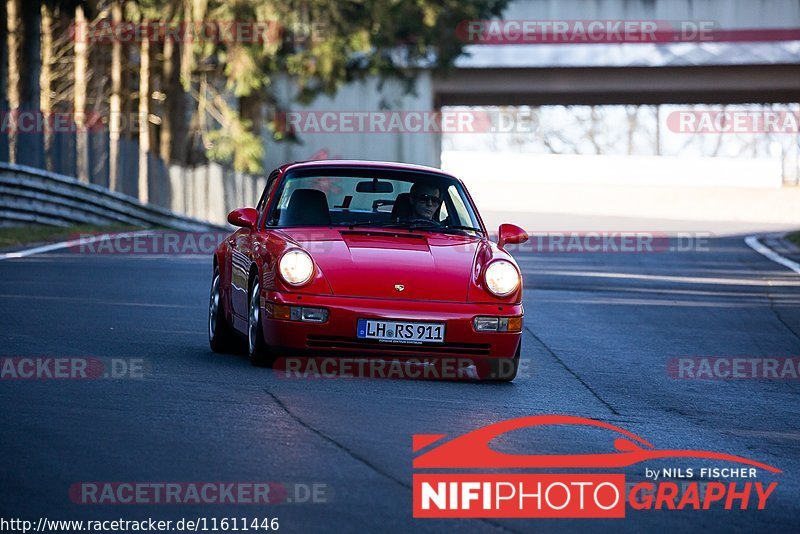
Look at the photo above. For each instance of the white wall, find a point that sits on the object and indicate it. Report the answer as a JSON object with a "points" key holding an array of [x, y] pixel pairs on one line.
{"points": [[420, 148], [211, 192], [556, 192], [674, 171]]}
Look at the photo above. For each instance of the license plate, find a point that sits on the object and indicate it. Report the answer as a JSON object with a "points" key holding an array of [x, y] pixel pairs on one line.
{"points": [[401, 331]]}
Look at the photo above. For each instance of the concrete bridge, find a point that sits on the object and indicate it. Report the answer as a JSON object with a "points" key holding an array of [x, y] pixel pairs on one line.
{"points": [[750, 53]]}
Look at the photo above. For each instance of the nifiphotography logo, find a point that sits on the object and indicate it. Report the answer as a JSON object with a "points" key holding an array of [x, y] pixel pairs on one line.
{"points": [[730, 485]]}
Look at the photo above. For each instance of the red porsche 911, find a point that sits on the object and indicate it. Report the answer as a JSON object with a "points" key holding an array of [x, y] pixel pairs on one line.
{"points": [[366, 259]]}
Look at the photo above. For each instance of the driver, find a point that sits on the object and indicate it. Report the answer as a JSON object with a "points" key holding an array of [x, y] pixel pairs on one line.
{"points": [[425, 200]]}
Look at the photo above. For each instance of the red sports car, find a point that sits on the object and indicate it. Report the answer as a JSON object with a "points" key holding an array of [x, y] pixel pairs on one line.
{"points": [[366, 259]]}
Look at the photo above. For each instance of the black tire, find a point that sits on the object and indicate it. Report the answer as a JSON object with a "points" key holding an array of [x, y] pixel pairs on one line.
{"points": [[221, 336], [505, 369], [256, 346]]}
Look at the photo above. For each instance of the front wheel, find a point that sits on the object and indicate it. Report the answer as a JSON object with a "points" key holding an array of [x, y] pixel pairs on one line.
{"points": [[505, 369], [257, 347], [221, 337]]}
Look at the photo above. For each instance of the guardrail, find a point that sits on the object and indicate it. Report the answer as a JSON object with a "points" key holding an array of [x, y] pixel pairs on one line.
{"points": [[34, 196]]}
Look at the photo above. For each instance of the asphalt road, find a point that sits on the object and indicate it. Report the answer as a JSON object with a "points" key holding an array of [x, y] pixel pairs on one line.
{"points": [[600, 331]]}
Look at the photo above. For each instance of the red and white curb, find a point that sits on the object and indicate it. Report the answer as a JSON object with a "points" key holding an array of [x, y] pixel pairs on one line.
{"points": [[753, 242]]}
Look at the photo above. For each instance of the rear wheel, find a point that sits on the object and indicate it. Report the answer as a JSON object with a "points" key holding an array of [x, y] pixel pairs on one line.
{"points": [[257, 347], [220, 334]]}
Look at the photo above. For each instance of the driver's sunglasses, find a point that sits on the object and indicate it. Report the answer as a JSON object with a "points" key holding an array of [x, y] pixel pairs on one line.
{"points": [[428, 199]]}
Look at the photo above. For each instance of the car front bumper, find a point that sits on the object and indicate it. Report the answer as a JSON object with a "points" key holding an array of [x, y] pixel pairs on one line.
{"points": [[337, 335]]}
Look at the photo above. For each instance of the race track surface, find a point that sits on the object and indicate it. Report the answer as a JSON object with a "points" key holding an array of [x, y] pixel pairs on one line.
{"points": [[600, 330]]}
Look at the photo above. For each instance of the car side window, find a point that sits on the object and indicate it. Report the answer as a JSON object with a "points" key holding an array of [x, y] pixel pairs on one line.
{"points": [[443, 215], [272, 181], [461, 212]]}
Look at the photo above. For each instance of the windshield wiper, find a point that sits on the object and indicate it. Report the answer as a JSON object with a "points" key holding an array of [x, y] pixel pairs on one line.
{"points": [[421, 224], [368, 223], [394, 224], [462, 227]]}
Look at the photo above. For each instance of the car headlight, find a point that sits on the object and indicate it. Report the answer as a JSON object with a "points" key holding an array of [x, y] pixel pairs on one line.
{"points": [[501, 278], [296, 267]]}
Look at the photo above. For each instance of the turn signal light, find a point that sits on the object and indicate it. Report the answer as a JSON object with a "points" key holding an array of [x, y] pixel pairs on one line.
{"points": [[297, 313], [281, 312], [497, 324], [515, 324]]}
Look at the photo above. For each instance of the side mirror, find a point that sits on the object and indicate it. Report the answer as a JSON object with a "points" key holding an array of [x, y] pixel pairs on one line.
{"points": [[244, 217], [511, 234]]}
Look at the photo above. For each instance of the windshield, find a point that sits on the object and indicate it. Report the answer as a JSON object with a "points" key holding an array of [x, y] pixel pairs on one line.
{"points": [[370, 197]]}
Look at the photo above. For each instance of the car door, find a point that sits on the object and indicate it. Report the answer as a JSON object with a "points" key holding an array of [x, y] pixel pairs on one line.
{"points": [[240, 269], [242, 257]]}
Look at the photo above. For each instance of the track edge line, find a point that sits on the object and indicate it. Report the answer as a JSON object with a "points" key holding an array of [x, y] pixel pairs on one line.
{"points": [[755, 243]]}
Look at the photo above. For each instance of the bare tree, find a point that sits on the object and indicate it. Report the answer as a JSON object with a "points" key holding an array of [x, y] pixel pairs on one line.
{"points": [[592, 131], [632, 113], [46, 80], [173, 133], [720, 136], [81, 65], [14, 45], [144, 114], [115, 111]]}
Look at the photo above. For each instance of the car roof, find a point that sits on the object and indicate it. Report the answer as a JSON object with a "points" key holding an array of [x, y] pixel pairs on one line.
{"points": [[387, 165]]}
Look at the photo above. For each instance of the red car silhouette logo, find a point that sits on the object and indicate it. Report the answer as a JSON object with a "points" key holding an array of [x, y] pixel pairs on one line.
{"points": [[472, 451]]}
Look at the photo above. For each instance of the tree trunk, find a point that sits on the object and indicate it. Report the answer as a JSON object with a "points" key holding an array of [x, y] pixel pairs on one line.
{"points": [[45, 83], [3, 62], [251, 108], [144, 114], [115, 103], [14, 27], [167, 73], [173, 125], [79, 102], [187, 51]]}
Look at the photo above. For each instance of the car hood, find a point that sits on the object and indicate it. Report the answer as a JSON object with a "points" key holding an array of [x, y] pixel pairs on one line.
{"points": [[393, 264]]}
